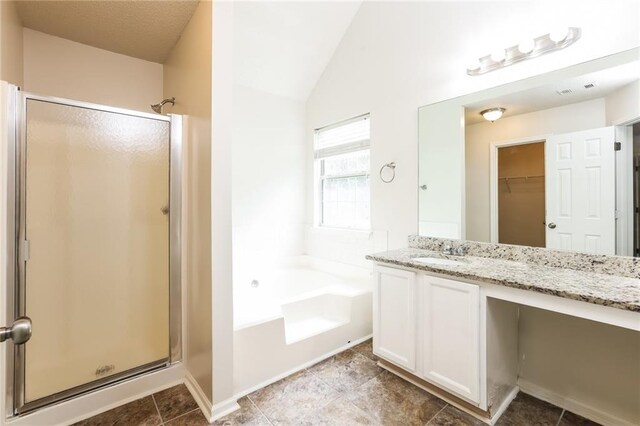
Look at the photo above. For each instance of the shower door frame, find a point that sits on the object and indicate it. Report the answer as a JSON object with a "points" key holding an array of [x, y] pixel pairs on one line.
{"points": [[17, 250]]}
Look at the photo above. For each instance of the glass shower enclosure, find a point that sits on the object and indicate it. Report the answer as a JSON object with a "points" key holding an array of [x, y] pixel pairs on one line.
{"points": [[97, 246]]}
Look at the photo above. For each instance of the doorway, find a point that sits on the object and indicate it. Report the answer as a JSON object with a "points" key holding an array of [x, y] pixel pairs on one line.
{"points": [[521, 194], [96, 211], [636, 188]]}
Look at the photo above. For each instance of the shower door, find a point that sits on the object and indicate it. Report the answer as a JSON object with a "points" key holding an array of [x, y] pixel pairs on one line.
{"points": [[98, 247]]}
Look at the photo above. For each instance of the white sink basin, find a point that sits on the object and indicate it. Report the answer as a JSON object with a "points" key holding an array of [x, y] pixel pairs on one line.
{"points": [[436, 261]]}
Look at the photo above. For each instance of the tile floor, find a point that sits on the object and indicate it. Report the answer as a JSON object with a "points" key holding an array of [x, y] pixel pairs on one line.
{"points": [[346, 389]]}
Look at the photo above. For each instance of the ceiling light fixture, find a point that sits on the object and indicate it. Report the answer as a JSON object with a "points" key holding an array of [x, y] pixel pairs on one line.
{"points": [[527, 49], [492, 114]]}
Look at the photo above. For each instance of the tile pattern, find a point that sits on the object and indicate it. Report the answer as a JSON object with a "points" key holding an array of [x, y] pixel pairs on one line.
{"points": [[527, 410], [349, 389], [346, 389], [601, 289], [174, 401], [174, 406], [622, 266]]}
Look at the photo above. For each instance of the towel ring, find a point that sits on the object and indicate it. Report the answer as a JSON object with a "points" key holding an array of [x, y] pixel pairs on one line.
{"points": [[392, 166]]}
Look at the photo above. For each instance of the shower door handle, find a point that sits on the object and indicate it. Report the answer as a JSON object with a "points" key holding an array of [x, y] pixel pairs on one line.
{"points": [[19, 332]]}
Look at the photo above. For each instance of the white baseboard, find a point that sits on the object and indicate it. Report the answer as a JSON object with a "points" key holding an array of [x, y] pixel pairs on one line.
{"points": [[274, 379], [223, 408], [572, 405], [505, 404], [93, 403], [198, 394], [210, 411]]}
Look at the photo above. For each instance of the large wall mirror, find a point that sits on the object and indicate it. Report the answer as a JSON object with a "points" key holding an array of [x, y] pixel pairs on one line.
{"points": [[558, 169]]}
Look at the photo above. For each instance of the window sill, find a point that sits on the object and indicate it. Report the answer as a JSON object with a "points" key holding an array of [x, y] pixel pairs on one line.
{"points": [[351, 231]]}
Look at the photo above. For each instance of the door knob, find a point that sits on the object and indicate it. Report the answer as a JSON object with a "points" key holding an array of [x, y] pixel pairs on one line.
{"points": [[552, 225], [19, 332]]}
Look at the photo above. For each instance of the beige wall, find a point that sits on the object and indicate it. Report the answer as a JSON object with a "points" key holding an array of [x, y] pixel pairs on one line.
{"points": [[221, 158], [478, 140], [582, 360], [623, 105], [57, 67], [187, 76], [10, 44]]}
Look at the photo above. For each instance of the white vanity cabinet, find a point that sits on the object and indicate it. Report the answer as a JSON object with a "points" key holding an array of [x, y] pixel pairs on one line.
{"points": [[429, 326], [449, 335], [394, 319]]}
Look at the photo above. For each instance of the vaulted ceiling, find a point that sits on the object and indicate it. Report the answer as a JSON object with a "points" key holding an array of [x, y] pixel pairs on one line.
{"points": [[140, 28], [283, 47]]}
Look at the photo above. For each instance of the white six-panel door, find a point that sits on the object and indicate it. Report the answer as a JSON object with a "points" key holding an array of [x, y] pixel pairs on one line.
{"points": [[394, 321], [580, 191]]}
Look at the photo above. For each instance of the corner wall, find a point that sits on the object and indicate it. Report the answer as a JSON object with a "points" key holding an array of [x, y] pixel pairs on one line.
{"points": [[221, 245], [187, 76], [11, 44], [268, 182]]}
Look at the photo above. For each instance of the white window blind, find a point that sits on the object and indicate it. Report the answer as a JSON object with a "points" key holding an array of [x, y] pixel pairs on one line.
{"points": [[342, 174], [348, 136]]}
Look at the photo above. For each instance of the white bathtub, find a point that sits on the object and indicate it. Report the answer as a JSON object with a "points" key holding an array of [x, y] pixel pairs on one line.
{"points": [[296, 313]]}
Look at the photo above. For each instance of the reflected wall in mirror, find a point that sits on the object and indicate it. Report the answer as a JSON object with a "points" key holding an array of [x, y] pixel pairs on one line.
{"points": [[558, 170]]}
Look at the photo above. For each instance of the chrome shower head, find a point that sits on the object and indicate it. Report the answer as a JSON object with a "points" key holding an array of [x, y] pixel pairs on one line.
{"points": [[158, 107]]}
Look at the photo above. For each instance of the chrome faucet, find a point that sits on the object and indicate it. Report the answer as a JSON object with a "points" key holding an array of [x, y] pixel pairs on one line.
{"points": [[450, 251]]}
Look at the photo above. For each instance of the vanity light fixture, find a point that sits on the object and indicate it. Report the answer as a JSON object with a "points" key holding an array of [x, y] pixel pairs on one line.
{"points": [[492, 114], [527, 46], [499, 55], [527, 49]]}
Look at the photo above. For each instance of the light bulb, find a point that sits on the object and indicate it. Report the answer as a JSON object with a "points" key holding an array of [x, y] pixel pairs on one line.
{"points": [[492, 114], [498, 55], [526, 46], [559, 34], [473, 65]]}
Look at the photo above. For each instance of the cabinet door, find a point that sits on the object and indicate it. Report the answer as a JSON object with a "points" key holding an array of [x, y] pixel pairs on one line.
{"points": [[394, 322], [450, 335]]}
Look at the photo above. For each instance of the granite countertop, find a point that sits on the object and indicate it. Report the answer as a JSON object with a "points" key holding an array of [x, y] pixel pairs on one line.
{"points": [[600, 289]]}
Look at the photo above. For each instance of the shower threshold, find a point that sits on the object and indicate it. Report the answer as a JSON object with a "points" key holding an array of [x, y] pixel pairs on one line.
{"points": [[92, 386]]}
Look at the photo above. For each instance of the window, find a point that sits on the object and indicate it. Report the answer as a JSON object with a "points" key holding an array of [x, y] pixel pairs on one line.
{"points": [[341, 153]]}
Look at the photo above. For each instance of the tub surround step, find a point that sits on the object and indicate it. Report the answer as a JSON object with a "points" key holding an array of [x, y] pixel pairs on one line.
{"points": [[296, 331], [614, 291]]}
